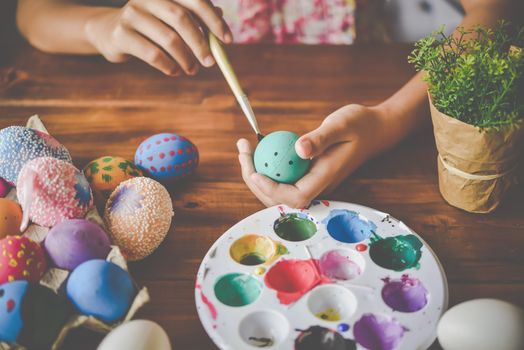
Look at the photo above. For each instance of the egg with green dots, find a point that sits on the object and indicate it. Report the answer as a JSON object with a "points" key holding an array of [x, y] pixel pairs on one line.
{"points": [[276, 158]]}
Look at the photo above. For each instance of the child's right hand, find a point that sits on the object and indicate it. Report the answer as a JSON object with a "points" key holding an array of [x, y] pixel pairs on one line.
{"points": [[164, 33]]}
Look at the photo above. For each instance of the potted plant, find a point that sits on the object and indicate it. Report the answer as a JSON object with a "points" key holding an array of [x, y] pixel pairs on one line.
{"points": [[476, 91]]}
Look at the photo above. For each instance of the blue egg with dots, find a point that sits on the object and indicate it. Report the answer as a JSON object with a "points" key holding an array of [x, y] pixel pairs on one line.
{"points": [[11, 297], [19, 145]]}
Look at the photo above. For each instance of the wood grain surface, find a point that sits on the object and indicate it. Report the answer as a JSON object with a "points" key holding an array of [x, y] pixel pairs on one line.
{"points": [[96, 108]]}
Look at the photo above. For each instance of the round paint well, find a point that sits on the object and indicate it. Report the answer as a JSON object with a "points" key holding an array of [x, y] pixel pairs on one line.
{"points": [[237, 289], [407, 294], [373, 331], [348, 226], [396, 253], [264, 329], [295, 227], [342, 264], [253, 250], [332, 303]]}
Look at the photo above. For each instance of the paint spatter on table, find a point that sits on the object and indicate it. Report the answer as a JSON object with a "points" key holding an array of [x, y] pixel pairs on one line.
{"points": [[321, 338], [396, 253], [348, 226], [293, 278], [406, 294], [237, 289], [295, 227], [212, 309], [378, 333], [252, 250], [337, 265]]}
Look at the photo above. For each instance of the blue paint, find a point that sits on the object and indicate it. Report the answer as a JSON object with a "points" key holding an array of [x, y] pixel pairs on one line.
{"points": [[11, 296], [343, 327], [347, 226]]}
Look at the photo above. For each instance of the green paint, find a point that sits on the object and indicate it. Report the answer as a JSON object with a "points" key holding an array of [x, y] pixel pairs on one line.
{"points": [[107, 159], [237, 289], [295, 227], [252, 259], [276, 158], [108, 168], [396, 253]]}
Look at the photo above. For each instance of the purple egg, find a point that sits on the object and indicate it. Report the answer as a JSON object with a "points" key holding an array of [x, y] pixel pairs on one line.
{"points": [[167, 157], [73, 242], [405, 294], [4, 188], [378, 333]]}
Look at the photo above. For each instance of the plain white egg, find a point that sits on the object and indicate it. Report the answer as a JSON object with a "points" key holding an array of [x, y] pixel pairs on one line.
{"points": [[482, 324], [136, 335]]}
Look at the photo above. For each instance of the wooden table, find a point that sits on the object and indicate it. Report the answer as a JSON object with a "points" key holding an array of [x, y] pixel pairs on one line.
{"points": [[96, 108]]}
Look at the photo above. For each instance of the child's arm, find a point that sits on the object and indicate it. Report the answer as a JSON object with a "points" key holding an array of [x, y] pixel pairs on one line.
{"points": [[354, 133], [163, 33]]}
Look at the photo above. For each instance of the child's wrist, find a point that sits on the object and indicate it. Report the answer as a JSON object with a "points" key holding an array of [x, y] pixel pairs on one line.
{"points": [[94, 26]]}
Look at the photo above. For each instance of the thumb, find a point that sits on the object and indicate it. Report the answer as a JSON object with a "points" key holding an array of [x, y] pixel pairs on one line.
{"points": [[317, 141]]}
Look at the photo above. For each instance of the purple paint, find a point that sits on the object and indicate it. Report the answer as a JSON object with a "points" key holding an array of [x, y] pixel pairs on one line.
{"points": [[405, 294], [4, 188], [378, 333], [337, 265]]}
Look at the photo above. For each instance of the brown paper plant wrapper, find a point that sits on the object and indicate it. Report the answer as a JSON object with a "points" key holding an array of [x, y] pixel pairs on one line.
{"points": [[476, 168], [55, 278]]}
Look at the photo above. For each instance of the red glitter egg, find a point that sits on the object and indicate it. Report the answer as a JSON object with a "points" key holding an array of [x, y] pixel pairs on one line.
{"points": [[21, 259]]}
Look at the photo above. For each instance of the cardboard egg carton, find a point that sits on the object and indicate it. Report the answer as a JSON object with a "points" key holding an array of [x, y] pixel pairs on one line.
{"points": [[55, 278]]}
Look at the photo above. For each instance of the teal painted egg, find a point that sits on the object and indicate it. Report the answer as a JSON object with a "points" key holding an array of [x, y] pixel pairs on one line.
{"points": [[276, 158]]}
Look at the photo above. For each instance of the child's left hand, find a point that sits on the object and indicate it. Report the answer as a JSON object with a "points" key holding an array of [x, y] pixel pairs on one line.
{"points": [[345, 140]]}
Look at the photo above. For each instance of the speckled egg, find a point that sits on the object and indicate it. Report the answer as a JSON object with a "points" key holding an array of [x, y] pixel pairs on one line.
{"points": [[276, 158], [44, 313], [106, 173], [75, 241], [101, 289], [11, 296], [18, 145], [10, 218], [138, 215], [21, 259], [136, 335], [51, 191], [4, 188], [167, 157]]}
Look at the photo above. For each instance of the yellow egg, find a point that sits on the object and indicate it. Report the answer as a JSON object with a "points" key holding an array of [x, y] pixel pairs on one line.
{"points": [[106, 173], [10, 218]]}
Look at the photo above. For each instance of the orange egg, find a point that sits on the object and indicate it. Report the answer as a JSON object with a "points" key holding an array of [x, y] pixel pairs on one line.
{"points": [[10, 218]]}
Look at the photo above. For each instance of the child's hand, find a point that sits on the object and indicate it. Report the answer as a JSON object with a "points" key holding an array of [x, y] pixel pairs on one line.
{"points": [[163, 33], [346, 139]]}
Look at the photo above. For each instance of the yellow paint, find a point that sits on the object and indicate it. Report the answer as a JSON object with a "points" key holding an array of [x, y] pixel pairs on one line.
{"points": [[10, 278], [329, 315], [256, 248], [260, 270]]}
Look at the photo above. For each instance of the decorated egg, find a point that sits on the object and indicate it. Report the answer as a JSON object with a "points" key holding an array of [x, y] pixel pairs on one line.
{"points": [[44, 313], [138, 215], [4, 188], [11, 296], [106, 173], [18, 145], [276, 158], [51, 191], [75, 241], [10, 218], [167, 157], [136, 335], [21, 259], [482, 324], [101, 289]]}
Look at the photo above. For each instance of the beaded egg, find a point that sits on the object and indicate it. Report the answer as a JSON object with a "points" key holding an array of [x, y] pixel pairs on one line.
{"points": [[138, 215], [21, 259], [51, 190], [167, 157], [18, 145], [10, 217], [4, 188], [276, 158], [106, 173]]}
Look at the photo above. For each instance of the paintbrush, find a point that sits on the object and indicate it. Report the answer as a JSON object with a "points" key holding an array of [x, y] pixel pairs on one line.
{"points": [[231, 78]]}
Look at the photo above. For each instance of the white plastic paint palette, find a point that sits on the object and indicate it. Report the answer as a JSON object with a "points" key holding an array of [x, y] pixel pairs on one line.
{"points": [[336, 276]]}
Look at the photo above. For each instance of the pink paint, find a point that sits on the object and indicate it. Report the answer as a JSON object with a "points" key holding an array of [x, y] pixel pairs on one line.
{"points": [[293, 278], [281, 210], [209, 304], [336, 265]]}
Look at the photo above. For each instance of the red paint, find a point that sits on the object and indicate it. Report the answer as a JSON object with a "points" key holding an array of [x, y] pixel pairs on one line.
{"points": [[190, 161], [188, 150], [293, 278], [209, 304], [173, 138], [153, 168], [10, 305], [162, 155], [163, 168], [172, 153], [166, 139], [150, 158], [326, 203], [169, 168], [180, 151], [361, 247], [158, 142], [184, 165]]}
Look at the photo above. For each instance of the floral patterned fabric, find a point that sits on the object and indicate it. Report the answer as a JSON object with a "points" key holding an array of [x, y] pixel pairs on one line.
{"points": [[290, 21]]}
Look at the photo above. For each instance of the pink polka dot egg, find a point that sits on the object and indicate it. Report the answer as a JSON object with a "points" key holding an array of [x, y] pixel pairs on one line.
{"points": [[167, 157]]}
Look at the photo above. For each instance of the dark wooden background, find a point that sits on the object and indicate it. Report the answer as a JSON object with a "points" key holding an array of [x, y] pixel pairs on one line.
{"points": [[96, 108]]}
